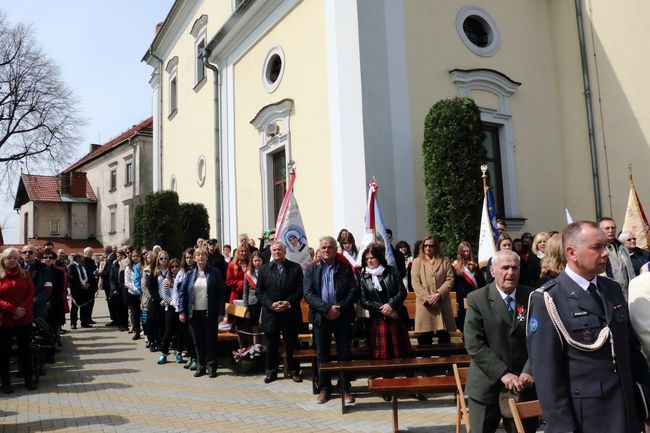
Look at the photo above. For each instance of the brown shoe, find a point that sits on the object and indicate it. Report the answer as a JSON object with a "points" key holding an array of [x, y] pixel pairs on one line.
{"points": [[322, 397], [349, 398]]}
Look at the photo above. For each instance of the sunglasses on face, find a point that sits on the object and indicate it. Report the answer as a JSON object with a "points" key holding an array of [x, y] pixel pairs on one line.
{"points": [[175, 266], [428, 245], [28, 252], [48, 258]]}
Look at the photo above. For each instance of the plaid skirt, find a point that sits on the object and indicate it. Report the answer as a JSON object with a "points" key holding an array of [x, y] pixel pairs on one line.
{"points": [[389, 339]]}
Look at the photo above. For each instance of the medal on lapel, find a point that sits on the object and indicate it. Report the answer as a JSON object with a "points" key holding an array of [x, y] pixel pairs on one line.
{"points": [[520, 313]]}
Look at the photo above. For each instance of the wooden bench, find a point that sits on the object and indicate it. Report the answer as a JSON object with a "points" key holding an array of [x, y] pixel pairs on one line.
{"points": [[404, 386], [379, 367], [309, 355]]}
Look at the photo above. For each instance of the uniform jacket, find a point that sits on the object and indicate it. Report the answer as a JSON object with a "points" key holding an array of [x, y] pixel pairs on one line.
{"points": [[426, 280], [273, 287], [395, 290], [216, 292], [345, 289], [495, 340], [581, 390]]}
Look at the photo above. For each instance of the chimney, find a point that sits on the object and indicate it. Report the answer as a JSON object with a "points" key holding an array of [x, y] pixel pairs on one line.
{"points": [[64, 183], [78, 184], [94, 147]]}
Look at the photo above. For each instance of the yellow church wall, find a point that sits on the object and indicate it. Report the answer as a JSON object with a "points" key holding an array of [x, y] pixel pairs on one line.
{"points": [[305, 82], [189, 133], [526, 55]]}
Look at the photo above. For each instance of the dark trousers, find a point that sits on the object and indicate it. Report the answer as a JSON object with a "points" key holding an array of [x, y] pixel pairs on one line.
{"points": [[173, 329], [204, 333], [134, 308], [290, 335], [485, 419], [81, 307], [23, 336], [121, 310], [342, 330], [155, 325], [110, 302]]}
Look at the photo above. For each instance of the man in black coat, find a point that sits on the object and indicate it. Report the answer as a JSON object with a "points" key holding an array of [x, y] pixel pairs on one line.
{"points": [[80, 290], [584, 353], [216, 259], [495, 337], [330, 289], [91, 269], [106, 284], [279, 290]]}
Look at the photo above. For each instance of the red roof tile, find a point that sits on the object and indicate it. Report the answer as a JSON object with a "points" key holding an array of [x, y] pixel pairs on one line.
{"points": [[145, 127], [46, 188]]}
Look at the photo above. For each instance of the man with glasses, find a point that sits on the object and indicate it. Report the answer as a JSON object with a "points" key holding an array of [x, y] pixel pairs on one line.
{"points": [[40, 277], [55, 304], [638, 256], [619, 264]]}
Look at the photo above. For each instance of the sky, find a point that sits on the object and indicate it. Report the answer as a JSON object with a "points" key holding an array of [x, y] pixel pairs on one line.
{"points": [[97, 45]]}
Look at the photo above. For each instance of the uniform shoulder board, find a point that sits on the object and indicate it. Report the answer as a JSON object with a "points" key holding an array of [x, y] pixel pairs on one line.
{"points": [[547, 286]]}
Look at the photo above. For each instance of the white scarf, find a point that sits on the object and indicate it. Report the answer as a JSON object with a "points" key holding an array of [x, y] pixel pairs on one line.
{"points": [[379, 270]]}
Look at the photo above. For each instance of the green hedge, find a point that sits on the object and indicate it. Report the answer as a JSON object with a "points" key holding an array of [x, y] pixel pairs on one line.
{"points": [[195, 223], [453, 153], [157, 221]]}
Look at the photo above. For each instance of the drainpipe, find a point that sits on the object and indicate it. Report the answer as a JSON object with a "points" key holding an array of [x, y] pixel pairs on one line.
{"points": [[160, 116], [586, 82], [217, 145]]}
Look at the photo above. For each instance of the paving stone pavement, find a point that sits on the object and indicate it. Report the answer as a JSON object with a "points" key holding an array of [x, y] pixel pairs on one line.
{"points": [[105, 382]]}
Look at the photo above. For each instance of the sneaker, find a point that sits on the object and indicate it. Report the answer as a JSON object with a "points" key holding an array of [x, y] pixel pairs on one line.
{"points": [[179, 358], [136, 336], [188, 364], [193, 365], [200, 372], [162, 360]]}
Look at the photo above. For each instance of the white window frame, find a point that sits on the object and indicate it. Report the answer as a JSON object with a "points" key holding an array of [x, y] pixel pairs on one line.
{"points": [[495, 35], [199, 31], [503, 88], [273, 124], [129, 172], [112, 219], [270, 86], [172, 85], [55, 227]]}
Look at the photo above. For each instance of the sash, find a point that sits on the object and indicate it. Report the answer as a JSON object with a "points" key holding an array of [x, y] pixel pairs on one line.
{"points": [[252, 281], [349, 258], [467, 274]]}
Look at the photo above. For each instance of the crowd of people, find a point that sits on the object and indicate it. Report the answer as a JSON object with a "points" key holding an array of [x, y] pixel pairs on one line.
{"points": [[177, 305]]}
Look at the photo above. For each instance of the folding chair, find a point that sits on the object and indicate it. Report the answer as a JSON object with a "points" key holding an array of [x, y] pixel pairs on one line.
{"points": [[524, 410], [462, 415]]}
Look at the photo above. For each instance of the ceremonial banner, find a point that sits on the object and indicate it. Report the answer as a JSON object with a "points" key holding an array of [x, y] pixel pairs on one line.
{"points": [[375, 228], [635, 219], [290, 229], [486, 243], [492, 215]]}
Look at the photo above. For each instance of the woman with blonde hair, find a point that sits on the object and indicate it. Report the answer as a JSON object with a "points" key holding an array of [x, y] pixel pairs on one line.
{"points": [[554, 260], [433, 279], [16, 315]]}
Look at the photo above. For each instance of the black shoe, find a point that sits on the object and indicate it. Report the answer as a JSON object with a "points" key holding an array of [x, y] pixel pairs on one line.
{"points": [[212, 373], [7, 388], [86, 325], [92, 322], [271, 378], [122, 329], [136, 336], [110, 324], [73, 326], [153, 348], [31, 386], [387, 398], [147, 345], [199, 372]]}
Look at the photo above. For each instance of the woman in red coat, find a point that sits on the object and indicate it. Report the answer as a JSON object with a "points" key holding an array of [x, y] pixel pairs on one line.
{"points": [[235, 273], [16, 301]]}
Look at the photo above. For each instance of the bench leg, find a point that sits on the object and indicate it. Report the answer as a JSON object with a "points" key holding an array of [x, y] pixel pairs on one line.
{"points": [[395, 420]]}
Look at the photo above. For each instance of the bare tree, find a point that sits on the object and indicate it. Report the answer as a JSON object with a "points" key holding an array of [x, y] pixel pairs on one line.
{"points": [[38, 120]]}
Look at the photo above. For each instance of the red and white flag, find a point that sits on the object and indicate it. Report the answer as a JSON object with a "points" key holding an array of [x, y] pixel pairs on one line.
{"points": [[290, 229], [635, 219], [375, 227]]}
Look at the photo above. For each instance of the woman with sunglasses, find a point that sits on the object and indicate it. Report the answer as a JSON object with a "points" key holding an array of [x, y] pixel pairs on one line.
{"points": [[16, 314], [55, 304], [168, 303], [433, 279], [156, 313]]}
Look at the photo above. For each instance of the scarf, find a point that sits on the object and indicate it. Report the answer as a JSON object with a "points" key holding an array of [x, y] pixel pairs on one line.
{"points": [[375, 273]]}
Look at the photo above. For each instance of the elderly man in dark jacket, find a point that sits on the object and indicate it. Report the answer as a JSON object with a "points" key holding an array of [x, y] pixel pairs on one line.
{"points": [[279, 290], [330, 289]]}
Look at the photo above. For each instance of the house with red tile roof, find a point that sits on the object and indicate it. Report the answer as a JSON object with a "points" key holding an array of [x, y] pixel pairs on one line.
{"points": [[94, 198]]}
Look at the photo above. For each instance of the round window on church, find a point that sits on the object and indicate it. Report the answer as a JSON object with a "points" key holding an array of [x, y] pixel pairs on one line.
{"points": [[478, 31], [273, 69], [201, 171]]}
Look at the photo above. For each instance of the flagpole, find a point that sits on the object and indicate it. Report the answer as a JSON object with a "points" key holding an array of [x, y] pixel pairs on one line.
{"points": [[484, 168]]}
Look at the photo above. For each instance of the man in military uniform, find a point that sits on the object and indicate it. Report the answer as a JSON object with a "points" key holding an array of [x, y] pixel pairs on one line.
{"points": [[584, 353]]}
